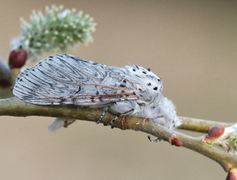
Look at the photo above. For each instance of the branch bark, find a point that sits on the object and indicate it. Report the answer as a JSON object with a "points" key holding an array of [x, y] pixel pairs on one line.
{"points": [[15, 107], [200, 125]]}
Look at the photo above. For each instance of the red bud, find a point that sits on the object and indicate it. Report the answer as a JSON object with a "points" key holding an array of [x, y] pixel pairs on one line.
{"points": [[17, 58], [232, 175], [214, 133], [175, 141]]}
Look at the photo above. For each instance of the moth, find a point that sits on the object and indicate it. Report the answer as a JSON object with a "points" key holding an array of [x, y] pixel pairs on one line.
{"points": [[63, 79]]}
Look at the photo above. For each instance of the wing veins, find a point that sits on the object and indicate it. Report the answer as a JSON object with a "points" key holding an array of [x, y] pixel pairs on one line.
{"points": [[100, 70], [94, 96], [111, 73], [109, 87], [76, 68]]}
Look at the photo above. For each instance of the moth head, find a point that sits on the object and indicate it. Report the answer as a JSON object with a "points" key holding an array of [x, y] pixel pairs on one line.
{"points": [[147, 77], [149, 85]]}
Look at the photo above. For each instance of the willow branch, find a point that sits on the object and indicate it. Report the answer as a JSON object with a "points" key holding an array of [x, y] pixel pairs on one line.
{"points": [[15, 107], [199, 125]]}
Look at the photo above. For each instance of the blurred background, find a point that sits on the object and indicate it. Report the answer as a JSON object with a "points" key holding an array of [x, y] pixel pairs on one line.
{"points": [[191, 45]]}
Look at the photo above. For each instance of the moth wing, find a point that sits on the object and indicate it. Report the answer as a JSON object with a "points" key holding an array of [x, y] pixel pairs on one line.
{"points": [[66, 79]]}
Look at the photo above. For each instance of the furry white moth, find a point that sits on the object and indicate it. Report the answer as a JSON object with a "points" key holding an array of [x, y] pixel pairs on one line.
{"points": [[63, 79]]}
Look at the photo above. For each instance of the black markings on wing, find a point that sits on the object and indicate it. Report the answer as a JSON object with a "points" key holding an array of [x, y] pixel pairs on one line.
{"points": [[65, 79]]}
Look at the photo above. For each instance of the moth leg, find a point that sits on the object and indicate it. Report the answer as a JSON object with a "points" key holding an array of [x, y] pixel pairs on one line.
{"points": [[69, 122], [112, 121], [154, 141], [116, 117], [60, 122], [102, 115]]}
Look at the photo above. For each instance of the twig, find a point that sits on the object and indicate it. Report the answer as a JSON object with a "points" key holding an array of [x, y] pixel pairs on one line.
{"points": [[15, 107], [199, 125]]}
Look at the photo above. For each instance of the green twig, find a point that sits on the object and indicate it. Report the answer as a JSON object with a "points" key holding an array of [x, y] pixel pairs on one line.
{"points": [[199, 125]]}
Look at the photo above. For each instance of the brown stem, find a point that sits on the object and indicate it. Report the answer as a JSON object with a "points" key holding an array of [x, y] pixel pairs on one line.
{"points": [[15, 107]]}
